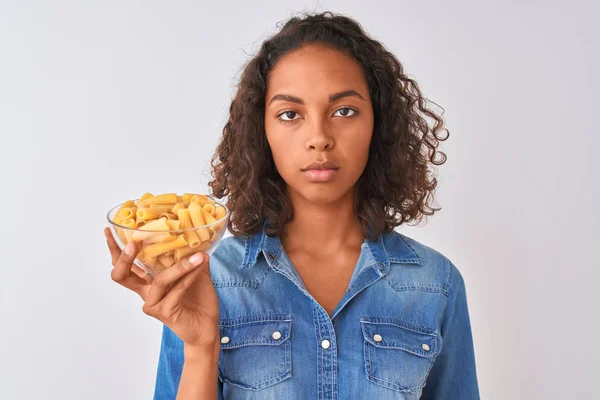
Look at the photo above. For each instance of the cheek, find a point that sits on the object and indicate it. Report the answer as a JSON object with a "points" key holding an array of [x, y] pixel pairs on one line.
{"points": [[283, 152], [355, 166], [356, 153]]}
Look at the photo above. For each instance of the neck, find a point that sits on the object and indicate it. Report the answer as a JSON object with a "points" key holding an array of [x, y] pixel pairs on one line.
{"points": [[322, 228]]}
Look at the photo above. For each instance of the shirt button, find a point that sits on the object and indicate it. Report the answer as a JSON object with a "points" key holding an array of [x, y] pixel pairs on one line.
{"points": [[271, 256], [377, 338], [225, 339], [325, 344], [276, 335], [425, 347]]}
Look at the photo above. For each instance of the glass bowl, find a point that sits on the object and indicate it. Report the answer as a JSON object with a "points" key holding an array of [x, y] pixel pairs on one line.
{"points": [[159, 249]]}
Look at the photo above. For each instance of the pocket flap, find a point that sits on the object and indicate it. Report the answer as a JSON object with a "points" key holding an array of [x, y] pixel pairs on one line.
{"points": [[387, 334], [269, 330]]}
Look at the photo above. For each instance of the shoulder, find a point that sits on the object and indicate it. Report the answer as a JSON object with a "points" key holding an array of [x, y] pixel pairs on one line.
{"points": [[230, 249], [228, 264], [429, 268]]}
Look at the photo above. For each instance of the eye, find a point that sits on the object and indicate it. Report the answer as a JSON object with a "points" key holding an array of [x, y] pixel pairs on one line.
{"points": [[348, 110], [287, 114]]}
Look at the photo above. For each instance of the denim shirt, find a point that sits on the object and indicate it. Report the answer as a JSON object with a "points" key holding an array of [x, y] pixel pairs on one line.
{"points": [[401, 330]]}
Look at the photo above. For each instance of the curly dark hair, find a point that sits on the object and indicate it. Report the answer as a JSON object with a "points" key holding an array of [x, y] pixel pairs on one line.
{"points": [[397, 183]]}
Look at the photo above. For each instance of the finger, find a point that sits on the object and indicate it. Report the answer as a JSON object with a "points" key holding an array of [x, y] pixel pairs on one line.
{"points": [[123, 274], [171, 302], [115, 252], [165, 279], [141, 273]]}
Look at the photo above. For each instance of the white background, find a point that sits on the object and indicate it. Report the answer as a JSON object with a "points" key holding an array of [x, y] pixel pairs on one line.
{"points": [[101, 101]]}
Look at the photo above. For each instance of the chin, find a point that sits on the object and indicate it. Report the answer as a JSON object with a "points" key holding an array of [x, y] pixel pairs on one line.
{"points": [[322, 194]]}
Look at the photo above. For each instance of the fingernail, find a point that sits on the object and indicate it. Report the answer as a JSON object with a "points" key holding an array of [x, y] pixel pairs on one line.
{"points": [[196, 259], [129, 249]]}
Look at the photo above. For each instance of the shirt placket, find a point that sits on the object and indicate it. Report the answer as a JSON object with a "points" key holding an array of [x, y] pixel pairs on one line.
{"points": [[327, 373], [327, 354]]}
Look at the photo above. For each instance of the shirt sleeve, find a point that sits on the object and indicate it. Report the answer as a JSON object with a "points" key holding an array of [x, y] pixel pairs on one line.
{"points": [[453, 375], [170, 366]]}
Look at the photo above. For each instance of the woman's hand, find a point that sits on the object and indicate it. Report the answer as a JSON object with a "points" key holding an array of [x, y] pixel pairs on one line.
{"points": [[182, 297]]}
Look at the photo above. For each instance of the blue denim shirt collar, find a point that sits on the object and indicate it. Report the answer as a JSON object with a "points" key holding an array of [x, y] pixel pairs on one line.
{"points": [[397, 250]]}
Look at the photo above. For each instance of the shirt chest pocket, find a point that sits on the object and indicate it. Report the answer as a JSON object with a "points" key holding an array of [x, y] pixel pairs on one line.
{"points": [[398, 355], [256, 352]]}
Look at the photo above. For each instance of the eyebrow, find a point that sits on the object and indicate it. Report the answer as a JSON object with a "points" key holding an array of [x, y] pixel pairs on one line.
{"points": [[332, 98]]}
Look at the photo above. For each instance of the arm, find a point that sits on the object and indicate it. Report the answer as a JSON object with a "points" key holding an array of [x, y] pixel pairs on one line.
{"points": [[453, 375], [200, 374], [184, 373]]}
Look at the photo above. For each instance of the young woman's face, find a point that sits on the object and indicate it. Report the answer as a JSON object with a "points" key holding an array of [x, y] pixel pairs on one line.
{"points": [[318, 109]]}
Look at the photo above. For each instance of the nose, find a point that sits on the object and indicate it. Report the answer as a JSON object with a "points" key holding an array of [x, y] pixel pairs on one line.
{"points": [[319, 138]]}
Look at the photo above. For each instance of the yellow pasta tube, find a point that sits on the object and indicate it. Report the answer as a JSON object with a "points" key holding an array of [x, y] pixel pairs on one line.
{"points": [[177, 207], [162, 207], [186, 251], [184, 218], [218, 227], [187, 197], [127, 212], [168, 215], [214, 235], [151, 262], [183, 252], [127, 204], [155, 225], [167, 198], [139, 223], [145, 196], [128, 223], [193, 239], [159, 237], [186, 223], [199, 199], [195, 212], [174, 224], [209, 208], [166, 260], [148, 213], [154, 250], [220, 212], [208, 218]]}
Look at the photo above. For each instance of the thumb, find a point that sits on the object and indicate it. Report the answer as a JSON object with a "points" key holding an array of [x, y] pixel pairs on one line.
{"points": [[203, 287], [203, 280]]}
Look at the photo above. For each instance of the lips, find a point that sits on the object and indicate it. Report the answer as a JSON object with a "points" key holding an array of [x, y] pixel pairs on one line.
{"points": [[320, 175], [321, 165]]}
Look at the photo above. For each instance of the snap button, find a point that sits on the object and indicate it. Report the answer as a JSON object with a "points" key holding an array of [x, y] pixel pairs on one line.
{"points": [[225, 339], [276, 335], [425, 347], [271, 256], [377, 338], [325, 344], [381, 266]]}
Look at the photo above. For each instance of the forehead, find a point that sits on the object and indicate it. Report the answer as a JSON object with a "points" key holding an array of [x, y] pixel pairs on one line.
{"points": [[317, 70]]}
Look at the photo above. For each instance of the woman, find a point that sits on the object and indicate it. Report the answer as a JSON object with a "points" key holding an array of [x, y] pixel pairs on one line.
{"points": [[315, 296]]}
